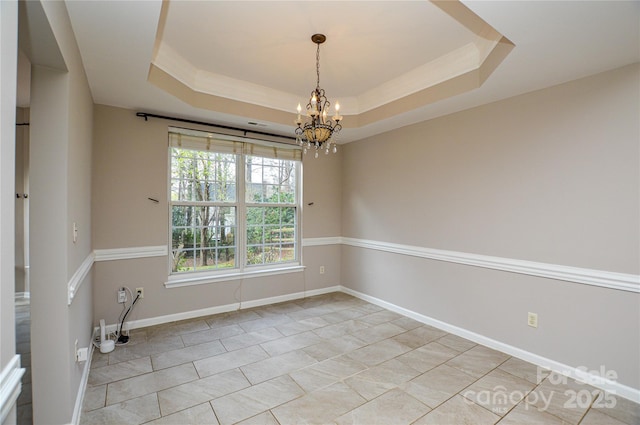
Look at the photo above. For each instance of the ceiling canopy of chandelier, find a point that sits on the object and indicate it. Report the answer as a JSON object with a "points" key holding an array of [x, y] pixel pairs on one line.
{"points": [[318, 131]]}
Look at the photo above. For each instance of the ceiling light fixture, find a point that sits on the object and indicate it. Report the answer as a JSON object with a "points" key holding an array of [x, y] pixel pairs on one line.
{"points": [[317, 133]]}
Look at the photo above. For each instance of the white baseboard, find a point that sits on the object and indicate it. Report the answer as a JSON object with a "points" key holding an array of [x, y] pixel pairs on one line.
{"points": [[77, 410], [153, 321], [579, 374], [10, 386]]}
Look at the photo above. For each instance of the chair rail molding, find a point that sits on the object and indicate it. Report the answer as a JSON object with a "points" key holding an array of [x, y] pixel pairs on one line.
{"points": [[79, 276], [601, 278]]}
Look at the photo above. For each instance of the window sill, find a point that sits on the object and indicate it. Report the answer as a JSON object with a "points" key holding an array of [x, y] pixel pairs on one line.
{"points": [[179, 281]]}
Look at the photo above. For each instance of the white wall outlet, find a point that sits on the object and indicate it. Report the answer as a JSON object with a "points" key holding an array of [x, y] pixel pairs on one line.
{"points": [[82, 354], [532, 319], [75, 232], [140, 291], [321, 269], [122, 296]]}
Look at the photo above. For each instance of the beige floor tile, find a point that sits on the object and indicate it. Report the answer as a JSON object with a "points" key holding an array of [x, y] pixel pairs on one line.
{"points": [[131, 412], [265, 322], [380, 317], [563, 397], [419, 336], [379, 332], [428, 356], [339, 329], [299, 326], [209, 335], [188, 326], [201, 414], [457, 343], [406, 323], [437, 385], [282, 308], [377, 380], [230, 360], [526, 414], [326, 373], [137, 349], [596, 417], [334, 347], [186, 355], [525, 370], [378, 352], [256, 399], [394, 407], [618, 407], [458, 411], [478, 360], [272, 367], [94, 398], [392, 371], [203, 390], [498, 391], [99, 359], [265, 418], [319, 407], [291, 343], [247, 339], [231, 318], [342, 315], [149, 383], [119, 371]]}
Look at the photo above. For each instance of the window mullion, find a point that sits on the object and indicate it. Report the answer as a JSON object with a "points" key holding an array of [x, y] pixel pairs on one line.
{"points": [[241, 244]]}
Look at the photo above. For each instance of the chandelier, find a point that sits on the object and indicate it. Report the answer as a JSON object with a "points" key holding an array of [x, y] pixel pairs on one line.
{"points": [[316, 133]]}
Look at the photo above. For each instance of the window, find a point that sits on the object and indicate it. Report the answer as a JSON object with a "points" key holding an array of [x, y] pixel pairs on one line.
{"points": [[218, 224]]}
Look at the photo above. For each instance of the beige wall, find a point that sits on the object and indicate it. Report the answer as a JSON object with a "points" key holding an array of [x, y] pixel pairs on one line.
{"points": [[60, 158], [550, 176], [130, 160]]}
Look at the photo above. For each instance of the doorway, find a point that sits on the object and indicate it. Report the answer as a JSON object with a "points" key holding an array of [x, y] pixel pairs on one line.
{"points": [[22, 281]]}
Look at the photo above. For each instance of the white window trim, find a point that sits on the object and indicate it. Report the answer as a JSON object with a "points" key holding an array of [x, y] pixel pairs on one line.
{"points": [[243, 270], [177, 281]]}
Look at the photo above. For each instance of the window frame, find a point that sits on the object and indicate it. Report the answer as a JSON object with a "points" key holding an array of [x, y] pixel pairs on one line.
{"points": [[242, 269]]}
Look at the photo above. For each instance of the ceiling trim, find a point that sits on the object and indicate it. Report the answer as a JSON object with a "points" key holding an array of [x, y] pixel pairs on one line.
{"points": [[453, 73]]}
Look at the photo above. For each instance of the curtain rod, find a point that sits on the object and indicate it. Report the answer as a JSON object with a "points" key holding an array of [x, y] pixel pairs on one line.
{"points": [[146, 116]]}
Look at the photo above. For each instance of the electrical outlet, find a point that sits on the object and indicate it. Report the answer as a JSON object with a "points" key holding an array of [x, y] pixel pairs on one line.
{"points": [[122, 296], [75, 232], [140, 291], [321, 269], [82, 354], [532, 319]]}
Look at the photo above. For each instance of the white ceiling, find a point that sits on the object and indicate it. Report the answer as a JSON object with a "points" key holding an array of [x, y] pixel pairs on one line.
{"points": [[372, 46]]}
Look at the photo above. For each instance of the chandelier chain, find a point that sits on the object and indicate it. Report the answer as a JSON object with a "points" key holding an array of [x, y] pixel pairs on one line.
{"points": [[318, 66]]}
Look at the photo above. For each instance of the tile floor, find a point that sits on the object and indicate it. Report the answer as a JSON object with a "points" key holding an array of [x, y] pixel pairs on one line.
{"points": [[330, 359]]}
